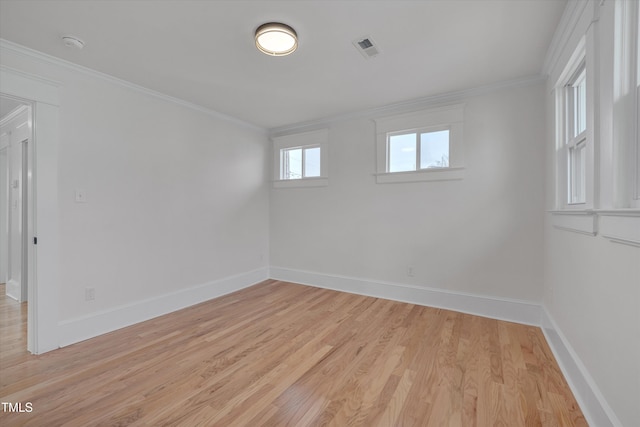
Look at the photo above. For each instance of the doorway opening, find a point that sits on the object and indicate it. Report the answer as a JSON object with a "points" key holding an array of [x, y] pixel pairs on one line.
{"points": [[16, 137], [43, 97]]}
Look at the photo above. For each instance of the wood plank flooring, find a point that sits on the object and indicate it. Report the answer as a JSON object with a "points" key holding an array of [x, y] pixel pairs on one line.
{"points": [[281, 354], [13, 330]]}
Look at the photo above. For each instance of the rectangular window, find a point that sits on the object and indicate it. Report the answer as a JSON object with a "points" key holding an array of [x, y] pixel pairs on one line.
{"points": [[421, 146], [300, 162], [576, 139], [418, 150], [301, 159]]}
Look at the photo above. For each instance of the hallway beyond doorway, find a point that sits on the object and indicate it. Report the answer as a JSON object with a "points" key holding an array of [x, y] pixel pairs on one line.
{"points": [[13, 330]]}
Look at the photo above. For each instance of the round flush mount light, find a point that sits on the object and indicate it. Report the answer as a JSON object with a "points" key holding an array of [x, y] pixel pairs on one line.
{"points": [[72, 42], [276, 39]]}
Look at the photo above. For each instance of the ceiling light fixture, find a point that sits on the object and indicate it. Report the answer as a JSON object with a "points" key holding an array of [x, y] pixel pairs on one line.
{"points": [[276, 39]]}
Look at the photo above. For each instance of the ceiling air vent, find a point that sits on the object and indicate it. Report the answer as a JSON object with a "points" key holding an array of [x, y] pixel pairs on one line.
{"points": [[366, 46]]}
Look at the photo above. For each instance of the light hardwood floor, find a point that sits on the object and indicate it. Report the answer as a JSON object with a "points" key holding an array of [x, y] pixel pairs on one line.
{"points": [[282, 354]]}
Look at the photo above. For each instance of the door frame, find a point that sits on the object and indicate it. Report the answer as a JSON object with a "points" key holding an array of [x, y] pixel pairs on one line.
{"points": [[43, 207], [20, 141], [5, 206]]}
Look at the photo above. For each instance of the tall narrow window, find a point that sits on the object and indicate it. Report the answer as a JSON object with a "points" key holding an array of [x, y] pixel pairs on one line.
{"points": [[636, 168], [626, 105], [576, 140]]}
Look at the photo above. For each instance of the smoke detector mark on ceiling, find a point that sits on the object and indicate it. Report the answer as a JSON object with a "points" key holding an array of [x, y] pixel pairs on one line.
{"points": [[366, 46], [72, 42]]}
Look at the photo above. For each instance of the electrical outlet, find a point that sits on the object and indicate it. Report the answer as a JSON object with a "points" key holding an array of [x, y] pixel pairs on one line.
{"points": [[89, 294], [410, 271]]}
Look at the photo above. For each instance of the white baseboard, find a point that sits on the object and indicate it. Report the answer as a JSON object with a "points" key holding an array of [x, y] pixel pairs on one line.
{"points": [[13, 290], [85, 327], [496, 308], [593, 404]]}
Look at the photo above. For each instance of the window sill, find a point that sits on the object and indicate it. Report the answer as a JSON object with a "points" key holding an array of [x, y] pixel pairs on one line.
{"points": [[618, 225], [435, 174], [301, 183], [578, 221]]}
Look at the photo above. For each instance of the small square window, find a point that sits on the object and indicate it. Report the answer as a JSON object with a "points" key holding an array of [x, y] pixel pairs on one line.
{"points": [[300, 160]]}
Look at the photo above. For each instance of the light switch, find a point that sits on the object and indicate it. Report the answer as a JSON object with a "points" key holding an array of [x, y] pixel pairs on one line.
{"points": [[80, 196]]}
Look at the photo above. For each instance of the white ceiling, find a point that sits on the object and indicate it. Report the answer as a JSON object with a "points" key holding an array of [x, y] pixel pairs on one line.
{"points": [[203, 51]]}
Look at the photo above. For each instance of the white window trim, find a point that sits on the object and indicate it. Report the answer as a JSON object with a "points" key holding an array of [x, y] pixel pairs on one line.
{"points": [[303, 149], [583, 54], [634, 30], [448, 117], [583, 222], [572, 141], [315, 138], [627, 105], [615, 214], [417, 134], [617, 225]]}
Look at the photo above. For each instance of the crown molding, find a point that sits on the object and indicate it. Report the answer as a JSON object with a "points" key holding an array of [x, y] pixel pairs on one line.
{"points": [[567, 25], [49, 59], [13, 114], [408, 106], [400, 107]]}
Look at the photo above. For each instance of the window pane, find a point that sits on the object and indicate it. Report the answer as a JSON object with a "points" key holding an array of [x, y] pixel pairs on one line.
{"points": [[292, 163], [312, 162], [434, 149], [577, 173], [402, 153], [580, 104]]}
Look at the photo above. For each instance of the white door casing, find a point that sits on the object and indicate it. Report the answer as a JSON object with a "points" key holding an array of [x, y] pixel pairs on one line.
{"points": [[42, 217]]}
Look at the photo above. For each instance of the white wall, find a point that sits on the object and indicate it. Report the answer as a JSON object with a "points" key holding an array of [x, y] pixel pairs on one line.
{"points": [[481, 235], [175, 198], [592, 285], [592, 291]]}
